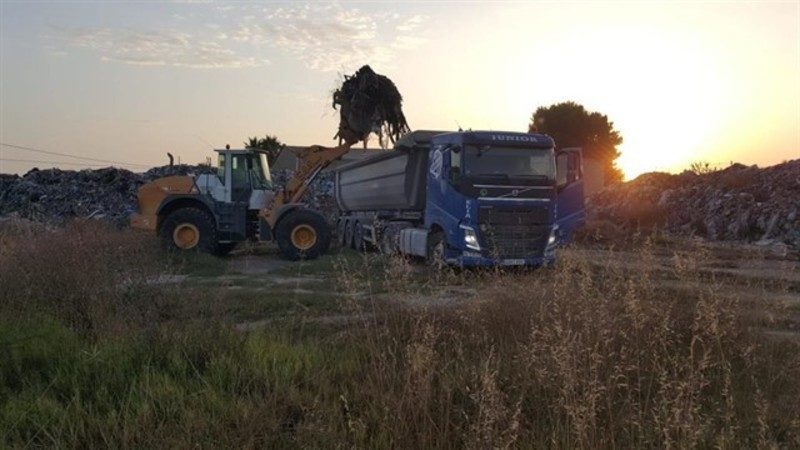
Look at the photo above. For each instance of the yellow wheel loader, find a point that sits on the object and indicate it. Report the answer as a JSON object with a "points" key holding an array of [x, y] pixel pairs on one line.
{"points": [[214, 212]]}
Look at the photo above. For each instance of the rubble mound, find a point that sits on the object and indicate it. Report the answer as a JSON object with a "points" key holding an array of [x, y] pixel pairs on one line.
{"points": [[55, 195], [743, 203]]}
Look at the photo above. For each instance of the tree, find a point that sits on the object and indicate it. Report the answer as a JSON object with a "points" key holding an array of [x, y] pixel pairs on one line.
{"points": [[571, 125], [270, 144]]}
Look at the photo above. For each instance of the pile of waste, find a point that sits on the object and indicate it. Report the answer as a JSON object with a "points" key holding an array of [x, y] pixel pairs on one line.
{"points": [[369, 102], [54, 196], [741, 203], [319, 196]]}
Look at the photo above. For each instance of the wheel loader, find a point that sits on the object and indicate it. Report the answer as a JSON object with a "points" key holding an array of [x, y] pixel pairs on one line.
{"points": [[214, 212]]}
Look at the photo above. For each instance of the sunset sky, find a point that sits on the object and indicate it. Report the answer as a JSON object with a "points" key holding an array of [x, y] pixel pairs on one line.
{"points": [[682, 81]]}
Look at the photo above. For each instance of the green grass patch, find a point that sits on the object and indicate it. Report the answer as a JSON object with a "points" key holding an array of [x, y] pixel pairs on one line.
{"points": [[201, 385]]}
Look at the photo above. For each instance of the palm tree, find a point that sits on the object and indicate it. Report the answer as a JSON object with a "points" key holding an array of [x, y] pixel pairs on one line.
{"points": [[270, 144]]}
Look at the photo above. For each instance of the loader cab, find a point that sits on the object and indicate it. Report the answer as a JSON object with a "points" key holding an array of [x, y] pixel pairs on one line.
{"points": [[243, 177]]}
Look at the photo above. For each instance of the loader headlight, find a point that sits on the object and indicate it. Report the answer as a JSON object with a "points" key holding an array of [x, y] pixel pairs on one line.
{"points": [[470, 238]]}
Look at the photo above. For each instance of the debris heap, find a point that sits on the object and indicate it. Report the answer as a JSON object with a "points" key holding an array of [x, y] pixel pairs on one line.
{"points": [[369, 102], [54, 196], [743, 203]]}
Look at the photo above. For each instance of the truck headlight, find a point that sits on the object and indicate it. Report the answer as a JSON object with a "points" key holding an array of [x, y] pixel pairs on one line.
{"points": [[552, 239], [470, 238]]}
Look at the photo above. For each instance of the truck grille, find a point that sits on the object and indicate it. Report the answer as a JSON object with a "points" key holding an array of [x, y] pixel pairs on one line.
{"points": [[510, 233], [508, 216]]}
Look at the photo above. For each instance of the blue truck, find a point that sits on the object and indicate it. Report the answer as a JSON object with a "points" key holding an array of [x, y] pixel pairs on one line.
{"points": [[467, 198]]}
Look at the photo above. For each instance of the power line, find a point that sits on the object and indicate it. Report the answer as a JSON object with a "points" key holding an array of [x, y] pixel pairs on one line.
{"points": [[20, 147], [39, 161]]}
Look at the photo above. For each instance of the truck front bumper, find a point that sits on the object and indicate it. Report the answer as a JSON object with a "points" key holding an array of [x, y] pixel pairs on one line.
{"points": [[472, 259]]}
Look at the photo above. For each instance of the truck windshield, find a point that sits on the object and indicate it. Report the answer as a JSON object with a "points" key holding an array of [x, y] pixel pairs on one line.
{"points": [[259, 172], [509, 162]]}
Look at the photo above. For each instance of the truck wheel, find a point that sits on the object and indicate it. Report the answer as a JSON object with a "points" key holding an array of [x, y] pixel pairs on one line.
{"points": [[358, 238], [436, 247], [387, 246], [224, 248], [190, 229], [302, 234], [341, 225], [349, 230]]}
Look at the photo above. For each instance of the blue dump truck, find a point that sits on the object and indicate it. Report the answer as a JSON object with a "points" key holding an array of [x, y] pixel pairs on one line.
{"points": [[471, 198]]}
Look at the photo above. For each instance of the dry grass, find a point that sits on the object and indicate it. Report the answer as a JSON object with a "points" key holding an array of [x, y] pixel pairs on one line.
{"points": [[581, 355], [89, 275]]}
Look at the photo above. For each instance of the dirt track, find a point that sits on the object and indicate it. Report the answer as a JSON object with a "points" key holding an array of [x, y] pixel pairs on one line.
{"points": [[275, 289]]}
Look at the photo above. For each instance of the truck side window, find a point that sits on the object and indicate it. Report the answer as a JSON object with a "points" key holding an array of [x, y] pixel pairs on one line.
{"points": [[561, 169], [455, 165], [568, 169]]}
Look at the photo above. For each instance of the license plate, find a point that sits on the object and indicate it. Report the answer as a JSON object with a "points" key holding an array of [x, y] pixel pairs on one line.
{"points": [[512, 262]]}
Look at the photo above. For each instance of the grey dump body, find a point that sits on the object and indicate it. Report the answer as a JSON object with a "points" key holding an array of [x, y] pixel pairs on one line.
{"points": [[393, 180]]}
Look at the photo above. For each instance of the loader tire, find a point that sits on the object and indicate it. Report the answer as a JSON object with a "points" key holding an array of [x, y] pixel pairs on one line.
{"points": [[189, 229], [302, 234]]}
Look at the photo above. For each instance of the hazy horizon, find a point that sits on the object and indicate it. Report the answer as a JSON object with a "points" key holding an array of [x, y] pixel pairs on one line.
{"points": [[682, 82]]}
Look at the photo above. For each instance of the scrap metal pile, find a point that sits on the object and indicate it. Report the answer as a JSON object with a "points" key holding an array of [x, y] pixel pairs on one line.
{"points": [[739, 203], [369, 102]]}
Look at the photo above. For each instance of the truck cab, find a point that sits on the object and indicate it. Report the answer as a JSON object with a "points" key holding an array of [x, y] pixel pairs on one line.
{"points": [[501, 198]]}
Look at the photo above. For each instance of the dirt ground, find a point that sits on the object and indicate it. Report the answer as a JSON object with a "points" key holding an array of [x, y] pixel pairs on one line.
{"points": [[262, 289]]}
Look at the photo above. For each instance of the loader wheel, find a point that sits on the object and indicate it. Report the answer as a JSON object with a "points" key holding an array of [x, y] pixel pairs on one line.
{"points": [[302, 234], [189, 229]]}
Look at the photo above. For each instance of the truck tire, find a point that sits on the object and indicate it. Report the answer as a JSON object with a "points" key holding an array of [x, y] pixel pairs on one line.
{"points": [[349, 230], [436, 248], [189, 229], [302, 234], [387, 246], [223, 248], [341, 231], [358, 238]]}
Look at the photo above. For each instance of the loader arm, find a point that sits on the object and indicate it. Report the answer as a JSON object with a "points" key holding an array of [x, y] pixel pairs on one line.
{"points": [[311, 161]]}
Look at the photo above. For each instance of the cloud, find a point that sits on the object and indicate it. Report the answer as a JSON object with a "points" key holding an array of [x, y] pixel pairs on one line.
{"points": [[323, 36], [328, 37], [410, 24], [156, 48]]}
